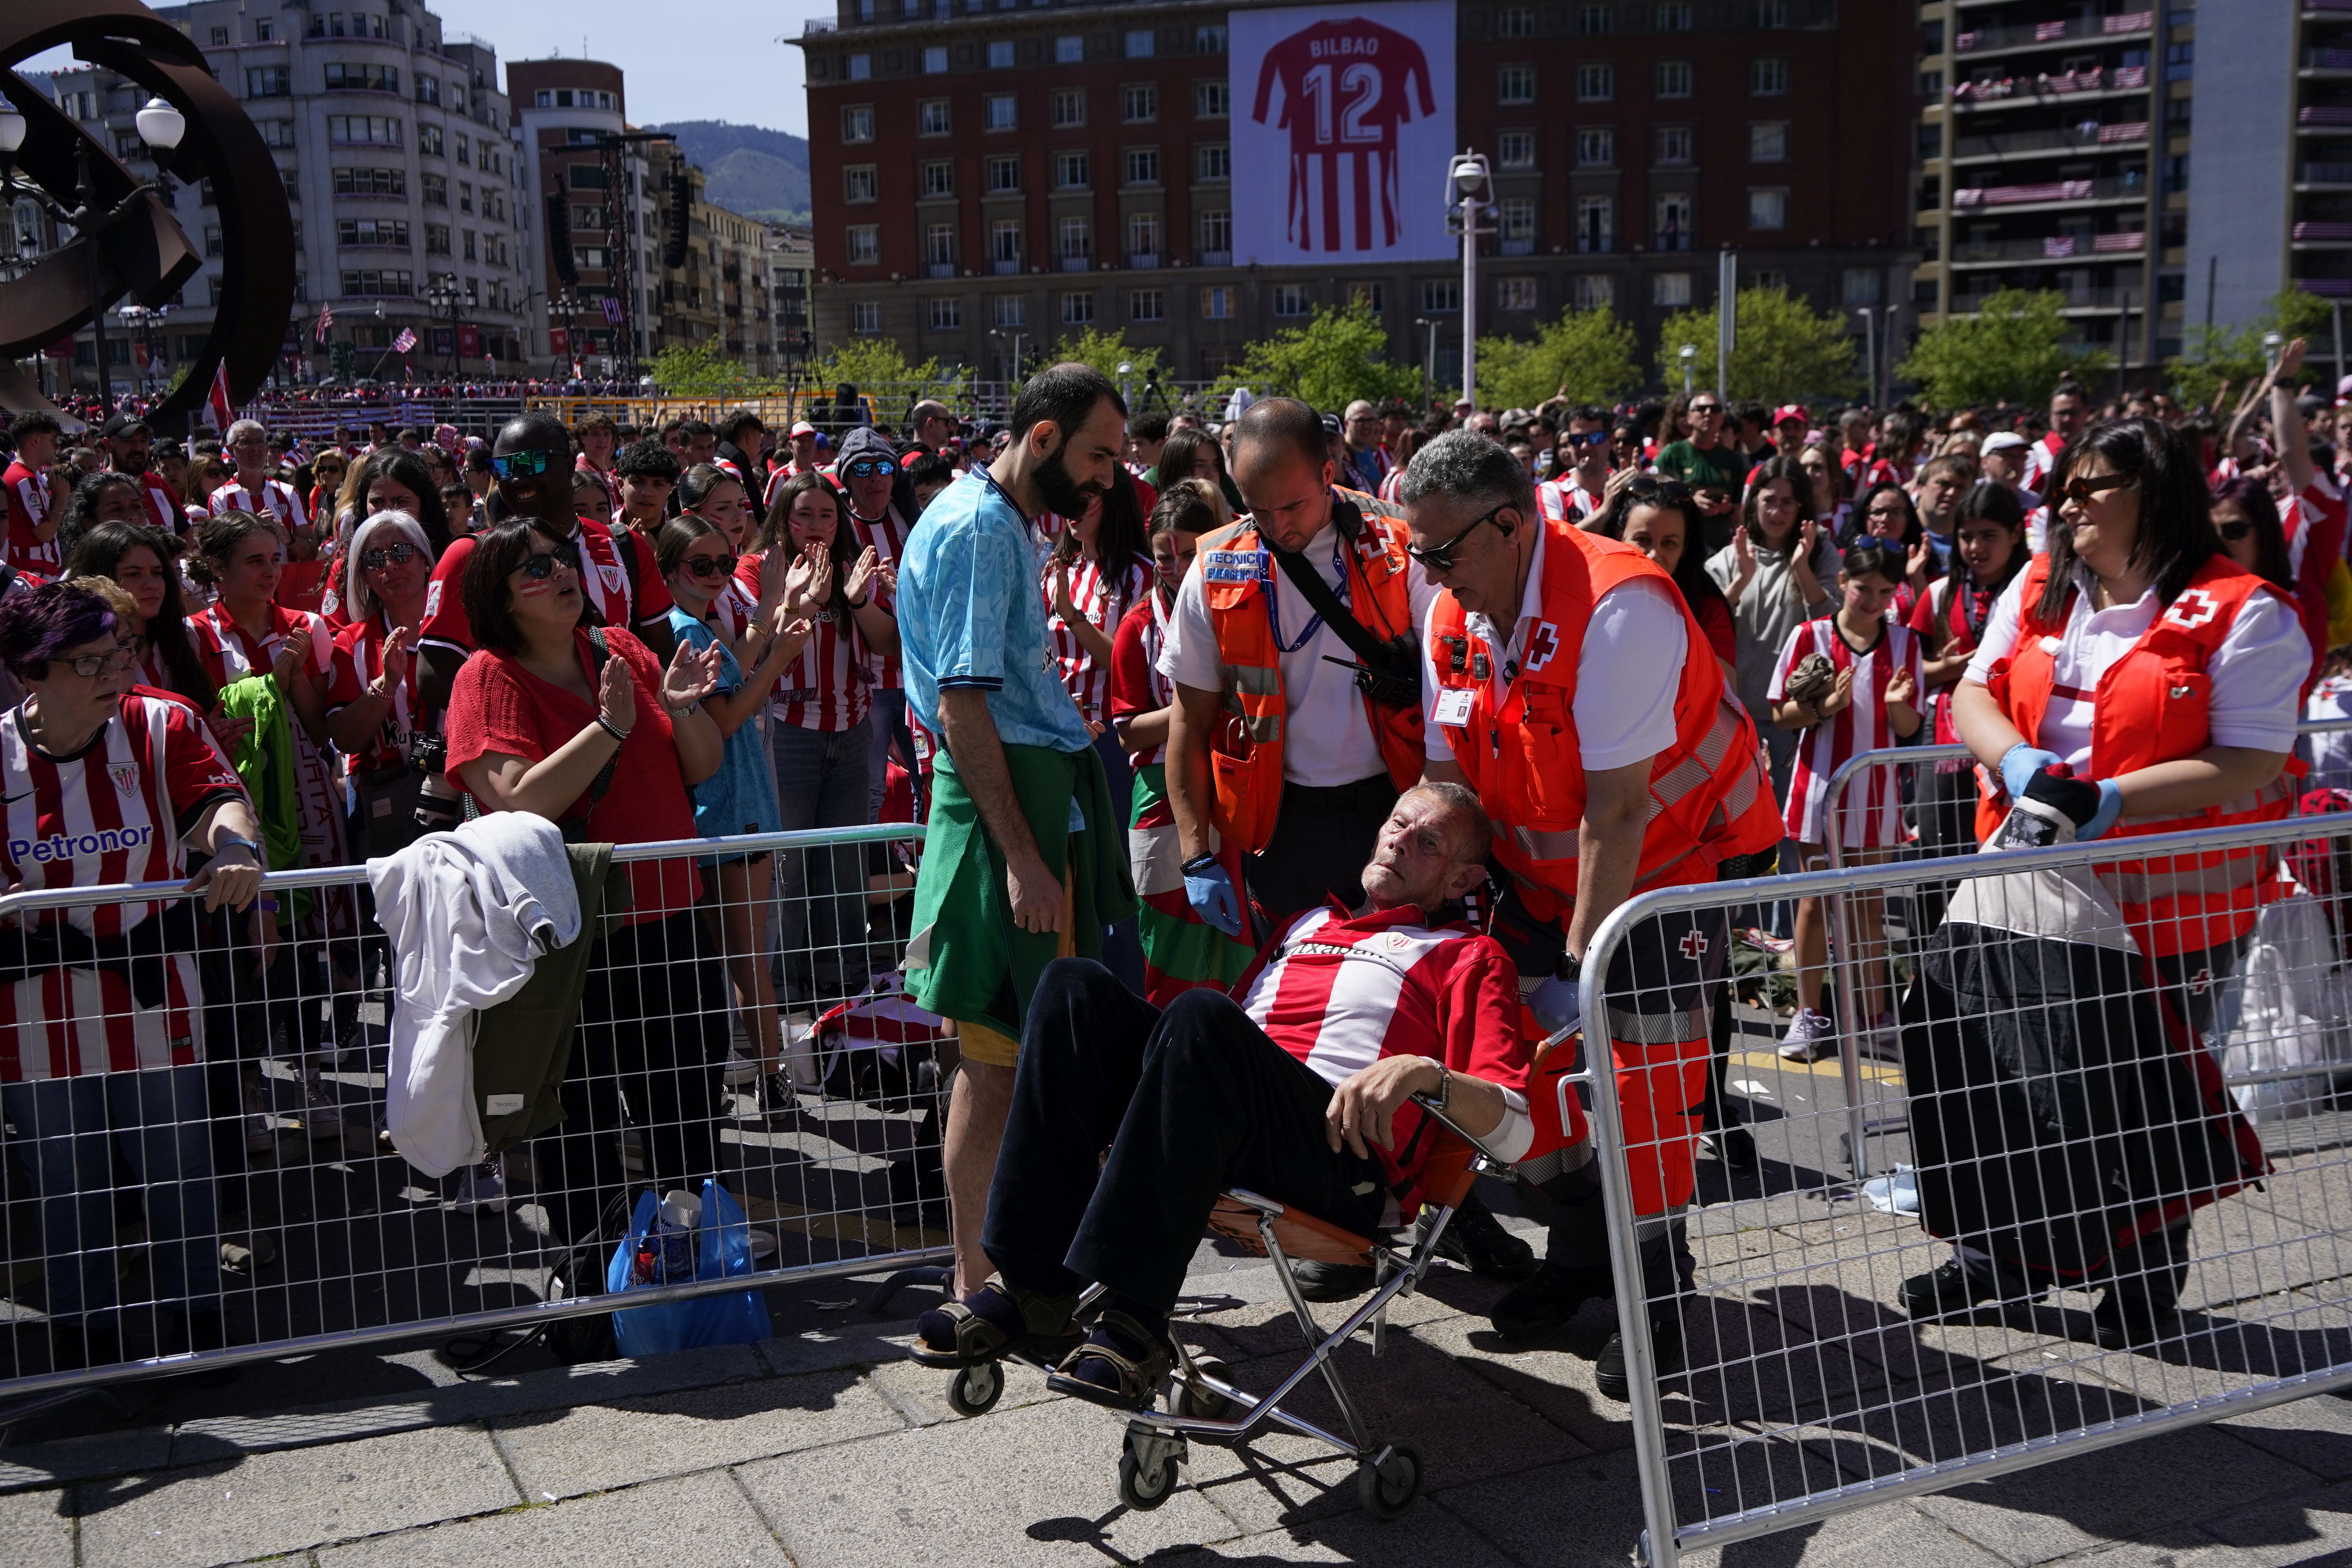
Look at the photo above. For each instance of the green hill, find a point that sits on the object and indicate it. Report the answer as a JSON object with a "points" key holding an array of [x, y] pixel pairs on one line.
{"points": [[750, 169]]}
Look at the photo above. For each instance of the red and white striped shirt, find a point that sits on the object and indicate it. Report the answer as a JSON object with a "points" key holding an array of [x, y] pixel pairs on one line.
{"points": [[1339, 991], [358, 661], [1136, 684], [113, 813], [2043, 455], [29, 504], [163, 508], [276, 499], [1871, 815], [827, 686], [605, 577], [1565, 500], [229, 655], [1091, 596], [887, 537]]}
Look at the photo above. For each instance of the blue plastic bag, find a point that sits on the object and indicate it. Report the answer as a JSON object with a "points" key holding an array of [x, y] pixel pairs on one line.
{"points": [[722, 1248]]}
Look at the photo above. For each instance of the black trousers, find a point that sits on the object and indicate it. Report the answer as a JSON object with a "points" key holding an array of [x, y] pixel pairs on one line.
{"points": [[1321, 842], [651, 1043], [1189, 1102]]}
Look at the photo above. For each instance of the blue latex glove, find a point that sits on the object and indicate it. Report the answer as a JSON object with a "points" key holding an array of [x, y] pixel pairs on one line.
{"points": [[1210, 892], [2020, 762], [2111, 806], [1557, 1003]]}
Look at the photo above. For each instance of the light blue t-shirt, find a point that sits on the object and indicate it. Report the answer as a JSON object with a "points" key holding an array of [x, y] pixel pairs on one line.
{"points": [[970, 614], [740, 797]]}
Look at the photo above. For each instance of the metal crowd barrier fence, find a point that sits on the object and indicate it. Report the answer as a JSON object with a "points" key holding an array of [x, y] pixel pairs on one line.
{"points": [[195, 1162], [2068, 1129]]}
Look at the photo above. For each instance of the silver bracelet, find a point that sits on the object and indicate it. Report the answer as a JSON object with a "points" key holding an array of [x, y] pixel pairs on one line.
{"points": [[620, 736]]}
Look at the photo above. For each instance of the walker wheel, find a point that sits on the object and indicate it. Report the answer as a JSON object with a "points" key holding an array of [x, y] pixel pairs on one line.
{"points": [[975, 1389], [1201, 1403], [1386, 1483], [1142, 1491]]}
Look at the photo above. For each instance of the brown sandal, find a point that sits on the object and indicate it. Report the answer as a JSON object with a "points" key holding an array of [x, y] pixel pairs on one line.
{"points": [[1138, 1380], [1046, 1319]]}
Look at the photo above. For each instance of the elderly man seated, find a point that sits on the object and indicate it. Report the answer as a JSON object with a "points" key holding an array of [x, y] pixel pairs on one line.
{"points": [[1293, 1092]]}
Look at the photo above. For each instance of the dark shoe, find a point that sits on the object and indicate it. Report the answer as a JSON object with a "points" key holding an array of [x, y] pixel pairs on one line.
{"points": [[980, 1328], [1551, 1298], [1476, 1240], [1330, 1282], [1734, 1145], [1121, 1366], [1951, 1289], [775, 1093], [2130, 1322], [1609, 1371]]}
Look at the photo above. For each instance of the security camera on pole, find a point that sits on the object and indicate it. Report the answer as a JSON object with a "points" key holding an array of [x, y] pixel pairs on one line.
{"points": [[1470, 212]]}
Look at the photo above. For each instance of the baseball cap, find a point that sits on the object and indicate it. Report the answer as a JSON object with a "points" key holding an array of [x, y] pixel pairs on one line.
{"points": [[801, 428], [1789, 411], [2001, 441]]}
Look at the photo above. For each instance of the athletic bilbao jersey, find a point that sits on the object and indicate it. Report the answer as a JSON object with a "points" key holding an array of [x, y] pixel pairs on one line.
{"points": [[276, 499], [1089, 678], [30, 505], [887, 536], [1345, 86]]}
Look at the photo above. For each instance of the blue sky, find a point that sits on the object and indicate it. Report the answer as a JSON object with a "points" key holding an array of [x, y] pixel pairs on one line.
{"points": [[721, 60]]}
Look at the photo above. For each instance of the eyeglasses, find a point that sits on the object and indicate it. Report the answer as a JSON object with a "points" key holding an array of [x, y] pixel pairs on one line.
{"points": [[866, 467], [92, 664], [523, 465], [710, 566], [2080, 490], [399, 554], [2236, 532], [1440, 557], [539, 568]]}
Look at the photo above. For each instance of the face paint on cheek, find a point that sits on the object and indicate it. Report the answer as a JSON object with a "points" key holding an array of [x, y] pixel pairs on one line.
{"points": [[533, 588]]}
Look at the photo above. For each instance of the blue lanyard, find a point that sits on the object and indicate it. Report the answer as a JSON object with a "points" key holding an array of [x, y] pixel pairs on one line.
{"points": [[1274, 614]]}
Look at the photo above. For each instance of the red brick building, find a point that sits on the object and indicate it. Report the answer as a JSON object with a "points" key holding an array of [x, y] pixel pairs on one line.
{"points": [[988, 179]]}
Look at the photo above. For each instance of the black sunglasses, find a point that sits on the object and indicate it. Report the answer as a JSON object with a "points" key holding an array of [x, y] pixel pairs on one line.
{"points": [[710, 566], [523, 465], [2081, 490], [1585, 438], [2234, 531], [1707, 408], [1671, 492], [399, 554], [539, 568], [1440, 557]]}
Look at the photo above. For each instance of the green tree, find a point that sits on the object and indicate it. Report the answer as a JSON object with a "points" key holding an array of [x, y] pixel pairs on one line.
{"points": [[1337, 357], [1585, 356], [2014, 350], [2214, 356], [1105, 352], [699, 370], [1783, 350]]}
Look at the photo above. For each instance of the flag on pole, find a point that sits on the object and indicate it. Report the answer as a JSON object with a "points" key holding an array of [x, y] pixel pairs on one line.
{"points": [[326, 319], [405, 341], [220, 411], [612, 310]]}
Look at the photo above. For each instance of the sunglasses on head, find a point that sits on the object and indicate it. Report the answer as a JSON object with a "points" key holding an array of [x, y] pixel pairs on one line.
{"points": [[1646, 485], [710, 566], [1440, 557], [376, 559], [866, 467], [539, 568], [2080, 490], [523, 465]]}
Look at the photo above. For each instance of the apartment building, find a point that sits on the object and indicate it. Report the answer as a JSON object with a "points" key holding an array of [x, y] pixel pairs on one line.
{"points": [[987, 179], [391, 136]]}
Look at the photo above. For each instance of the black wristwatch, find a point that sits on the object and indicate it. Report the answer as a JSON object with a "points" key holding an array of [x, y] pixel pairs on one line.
{"points": [[1570, 968], [1200, 862]]}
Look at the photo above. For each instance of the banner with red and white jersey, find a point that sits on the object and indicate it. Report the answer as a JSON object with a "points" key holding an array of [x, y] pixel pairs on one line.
{"points": [[1342, 129]]}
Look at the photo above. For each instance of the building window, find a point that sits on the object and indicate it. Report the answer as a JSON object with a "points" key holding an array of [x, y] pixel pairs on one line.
{"points": [[1005, 242], [1209, 39], [1596, 82], [1596, 148], [1769, 277], [1366, 297], [1670, 289], [434, 189], [1077, 239], [1141, 45], [1596, 19], [1217, 303], [1859, 286], [1147, 305], [938, 178], [997, 113], [1768, 75], [428, 137], [266, 81], [1517, 222], [1069, 107], [1143, 235], [464, 151], [935, 60], [939, 245], [1290, 299], [1439, 296], [369, 281], [1009, 310], [1514, 293], [469, 237], [437, 240], [1767, 140], [1768, 206], [1674, 222], [999, 55], [1069, 49], [376, 130], [1515, 150], [864, 245], [947, 315], [220, 35], [1674, 78], [1213, 161], [1515, 85], [1078, 309], [1771, 15], [1003, 176], [428, 89], [931, 118], [865, 315], [1138, 103], [1595, 291], [1216, 239], [1142, 166], [857, 182], [1070, 171], [371, 182], [1212, 100], [376, 231], [858, 122], [1596, 224], [1515, 22], [861, 69], [1673, 15], [276, 133]]}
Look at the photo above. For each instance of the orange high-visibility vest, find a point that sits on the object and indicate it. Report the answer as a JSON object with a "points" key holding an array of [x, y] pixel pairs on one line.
{"points": [[2153, 705], [1709, 798], [1237, 580]]}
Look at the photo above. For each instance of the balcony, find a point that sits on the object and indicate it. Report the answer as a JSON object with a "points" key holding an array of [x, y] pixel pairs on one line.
{"points": [[1216, 258], [2023, 88], [1516, 247], [2321, 61], [2323, 235], [1144, 260], [2051, 193], [2069, 138], [1076, 263], [2048, 247], [1991, 40], [1006, 266], [2324, 114], [2323, 175], [2085, 300], [939, 269]]}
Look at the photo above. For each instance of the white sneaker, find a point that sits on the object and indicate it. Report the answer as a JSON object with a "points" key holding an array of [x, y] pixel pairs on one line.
{"points": [[482, 1188], [1811, 1037]]}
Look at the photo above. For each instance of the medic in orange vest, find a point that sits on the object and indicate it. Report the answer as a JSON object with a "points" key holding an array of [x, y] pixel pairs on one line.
{"points": [[2170, 676], [1568, 684]]}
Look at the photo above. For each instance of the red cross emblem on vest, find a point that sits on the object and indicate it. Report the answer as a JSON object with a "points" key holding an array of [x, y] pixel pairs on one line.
{"points": [[1694, 944], [2199, 982], [2193, 609], [1542, 643]]}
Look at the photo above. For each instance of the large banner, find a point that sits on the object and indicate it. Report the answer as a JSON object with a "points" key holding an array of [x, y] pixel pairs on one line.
{"points": [[1343, 124]]}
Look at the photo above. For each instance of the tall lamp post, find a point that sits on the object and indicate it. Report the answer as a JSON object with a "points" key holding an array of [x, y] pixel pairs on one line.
{"points": [[1468, 186], [141, 323], [1688, 354], [444, 296], [567, 308], [160, 126]]}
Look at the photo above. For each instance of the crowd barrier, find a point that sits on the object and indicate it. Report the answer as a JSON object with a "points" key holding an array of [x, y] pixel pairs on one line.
{"points": [[2067, 1121], [241, 1198]]}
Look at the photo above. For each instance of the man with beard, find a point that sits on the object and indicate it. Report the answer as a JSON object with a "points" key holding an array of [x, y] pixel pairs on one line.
{"points": [[1024, 859], [127, 441]]}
